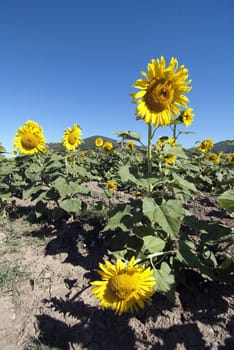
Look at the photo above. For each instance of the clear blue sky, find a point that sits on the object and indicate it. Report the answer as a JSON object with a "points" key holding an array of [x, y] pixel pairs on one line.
{"points": [[74, 61]]}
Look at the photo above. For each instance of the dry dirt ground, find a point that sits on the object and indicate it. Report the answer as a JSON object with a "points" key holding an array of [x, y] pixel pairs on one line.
{"points": [[47, 302]]}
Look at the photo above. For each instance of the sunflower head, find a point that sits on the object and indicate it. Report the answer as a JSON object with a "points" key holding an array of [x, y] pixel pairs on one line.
{"points": [[72, 137], [111, 185], [29, 138], [162, 92], [205, 145], [107, 146], [170, 159], [130, 145], [163, 140], [213, 157], [99, 142], [230, 158], [123, 287], [187, 116]]}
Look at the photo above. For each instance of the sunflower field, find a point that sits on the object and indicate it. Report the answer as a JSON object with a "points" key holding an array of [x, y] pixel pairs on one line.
{"points": [[146, 209]]}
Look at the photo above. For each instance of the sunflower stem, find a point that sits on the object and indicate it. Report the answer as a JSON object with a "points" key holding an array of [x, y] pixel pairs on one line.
{"points": [[174, 132], [149, 154]]}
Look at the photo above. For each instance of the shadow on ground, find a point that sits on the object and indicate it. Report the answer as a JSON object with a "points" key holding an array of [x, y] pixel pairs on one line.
{"points": [[188, 324]]}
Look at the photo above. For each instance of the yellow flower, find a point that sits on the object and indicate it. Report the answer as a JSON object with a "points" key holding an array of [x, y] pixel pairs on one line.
{"points": [[99, 142], [72, 137], [170, 159], [187, 116], [131, 145], [230, 158], [111, 185], [123, 286], [171, 141], [205, 145], [213, 157], [163, 140], [161, 92], [70, 158], [29, 138], [82, 154], [107, 146]]}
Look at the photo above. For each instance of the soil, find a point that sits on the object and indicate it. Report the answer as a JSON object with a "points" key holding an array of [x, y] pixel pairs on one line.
{"points": [[50, 305]]}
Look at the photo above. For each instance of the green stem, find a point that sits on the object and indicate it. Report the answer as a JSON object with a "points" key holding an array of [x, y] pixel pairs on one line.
{"points": [[149, 154], [174, 132], [153, 255]]}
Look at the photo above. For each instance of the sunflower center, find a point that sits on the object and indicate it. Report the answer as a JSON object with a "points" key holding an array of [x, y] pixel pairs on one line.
{"points": [[72, 138], [160, 96], [29, 141], [123, 285]]}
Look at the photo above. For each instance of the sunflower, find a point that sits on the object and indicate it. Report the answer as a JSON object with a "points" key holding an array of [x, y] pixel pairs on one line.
{"points": [[111, 185], [205, 145], [170, 159], [187, 116], [108, 147], [99, 142], [131, 145], [213, 157], [29, 138], [166, 140], [124, 286], [161, 92], [230, 158], [72, 137]]}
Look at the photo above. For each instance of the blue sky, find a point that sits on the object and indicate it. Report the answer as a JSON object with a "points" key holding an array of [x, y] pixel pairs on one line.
{"points": [[74, 61]]}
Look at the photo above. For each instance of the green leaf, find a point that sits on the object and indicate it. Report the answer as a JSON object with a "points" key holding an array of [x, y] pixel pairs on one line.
{"points": [[33, 172], [187, 253], [182, 183], [227, 270], [226, 200], [117, 217], [153, 244], [165, 281], [71, 205], [168, 215], [65, 188], [176, 150], [215, 233], [128, 135], [125, 174]]}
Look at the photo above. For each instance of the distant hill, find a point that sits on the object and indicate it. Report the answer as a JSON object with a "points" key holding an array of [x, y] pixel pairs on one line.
{"points": [[224, 146], [89, 143]]}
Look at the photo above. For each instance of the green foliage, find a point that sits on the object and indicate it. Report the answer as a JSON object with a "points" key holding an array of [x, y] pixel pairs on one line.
{"points": [[155, 224]]}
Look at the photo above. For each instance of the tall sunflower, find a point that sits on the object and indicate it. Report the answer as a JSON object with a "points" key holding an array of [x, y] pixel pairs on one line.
{"points": [[161, 92], [72, 137], [124, 286], [29, 138]]}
